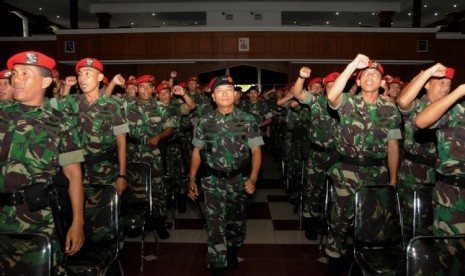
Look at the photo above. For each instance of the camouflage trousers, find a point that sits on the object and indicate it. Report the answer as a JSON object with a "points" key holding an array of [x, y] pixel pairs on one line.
{"points": [[289, 156], [315, 186], [449, 213], [152, 156], [225, 211], [176, 168], [347, 180], [104, 173], [18, 219]]}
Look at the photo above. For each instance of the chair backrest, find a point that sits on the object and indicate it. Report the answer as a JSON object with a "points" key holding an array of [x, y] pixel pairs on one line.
{"points": [[25, 254], [377, 217], [423, 210], [139, 188], [430, 255], [101, 213]]}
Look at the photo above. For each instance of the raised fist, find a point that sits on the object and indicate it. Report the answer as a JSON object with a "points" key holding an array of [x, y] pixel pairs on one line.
{"points": [[305, 72]]}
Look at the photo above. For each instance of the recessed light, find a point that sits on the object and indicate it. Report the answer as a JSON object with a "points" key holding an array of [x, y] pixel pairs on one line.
{"points": [[327, 22], [40, 9], [295, 22], [455, 6], [425, 6], [196, 23], [409, 14], [58, 16], [163, 23], [359, 23], [435, 14], [153, 14], [132, 23], [373, 13], [337, 13]]}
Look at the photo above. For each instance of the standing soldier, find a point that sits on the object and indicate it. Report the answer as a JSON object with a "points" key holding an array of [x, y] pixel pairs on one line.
{"points": [[176, 108], [259, 109], [148, 124], [323, 132], [226, 137], [420, 155], [36, 141], [6, 90], [101, 125], [369, 128]]}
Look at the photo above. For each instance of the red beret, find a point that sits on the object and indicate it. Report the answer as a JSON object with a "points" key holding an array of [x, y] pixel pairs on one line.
{"points": [[450, 73], [55, 74], [395, 80], [223, 80], [210, 84], [131, 80], [89, 62], [331, 77], [183, 84], [192, 78], [31, 58], [315, 80], [5, 74], [163, 85], [105, 80], [145, 78], [372, 65]]}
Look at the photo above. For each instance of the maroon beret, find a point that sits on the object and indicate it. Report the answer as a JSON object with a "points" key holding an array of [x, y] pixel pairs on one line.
{"points": [[31, 58]]}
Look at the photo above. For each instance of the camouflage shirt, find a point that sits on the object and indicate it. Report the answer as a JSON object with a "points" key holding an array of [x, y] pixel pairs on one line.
{"points": [[227, 138], [365, 129], [259, 110]]}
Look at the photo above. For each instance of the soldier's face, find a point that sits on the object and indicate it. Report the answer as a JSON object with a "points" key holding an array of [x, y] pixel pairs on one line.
{"points": [[224, 95], [316, 88], [6, 90], [89, 79], [131, 90], [28, 85], [164, 96], [394, 89], [253, 95], [370, 80], [145, 90], [192, 85], [437, 88]]}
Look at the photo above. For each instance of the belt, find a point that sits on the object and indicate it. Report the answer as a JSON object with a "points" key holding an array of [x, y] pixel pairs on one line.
{"points": [[10, 199], [362, 162], [136, 141], [230, 174], [320, 148], [419, 159], [453, 180]]}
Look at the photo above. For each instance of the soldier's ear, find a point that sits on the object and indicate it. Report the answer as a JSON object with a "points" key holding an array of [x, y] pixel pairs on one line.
{"points": [[46, 82], [427, 85], [358, 82], [100, 77], [213, 96]]}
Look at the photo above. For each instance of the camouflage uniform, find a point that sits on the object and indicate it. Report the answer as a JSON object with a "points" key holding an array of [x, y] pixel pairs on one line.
{"points": [[259, 110], [418, 165], [323, 126], [449, 194], [42, 139], [364, 131], [145, 121], [225, 140], [288, 146], [98, 124]]}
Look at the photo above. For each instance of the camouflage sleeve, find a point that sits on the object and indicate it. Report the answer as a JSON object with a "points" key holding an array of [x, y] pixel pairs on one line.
{"points": [[70, 152], [120, 123], [345, 98], [199, 136], [269, 115], [394, 129], [309, 98], [254, 136], [169, 123], [410, 110]]}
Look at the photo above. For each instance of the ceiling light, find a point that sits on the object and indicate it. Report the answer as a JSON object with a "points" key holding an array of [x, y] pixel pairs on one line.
{"points": [[373, 13], [455, 6], [196, 23], [163, 23], [132, 23], [153, 14], [435, 14], [40, 9], [409, 14], [58, 16], [359, 23], [425, 6], [337, 13], [327, 22]]}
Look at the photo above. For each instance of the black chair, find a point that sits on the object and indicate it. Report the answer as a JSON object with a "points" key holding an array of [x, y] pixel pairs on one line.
{"points": [[329, 198], [136, 204], [99, 255], [31, 253], [430, 255], [423, 210], [378, 238]]}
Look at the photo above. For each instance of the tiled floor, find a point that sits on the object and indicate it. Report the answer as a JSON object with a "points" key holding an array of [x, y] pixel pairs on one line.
{"points": [[274, 245]]}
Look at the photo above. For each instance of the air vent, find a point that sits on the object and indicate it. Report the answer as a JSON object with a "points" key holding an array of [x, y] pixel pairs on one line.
{"points": [[229, 17], [258, 16]]}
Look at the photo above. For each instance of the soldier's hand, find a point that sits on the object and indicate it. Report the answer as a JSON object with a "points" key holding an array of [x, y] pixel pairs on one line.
{"points": [[305, 72], [121, 184], [178, 90], [153, 142], [74, 239], [438, 70], [361, 61], [250, 186], [118, 80], [70, 81], [193, 191], [173, 74]]}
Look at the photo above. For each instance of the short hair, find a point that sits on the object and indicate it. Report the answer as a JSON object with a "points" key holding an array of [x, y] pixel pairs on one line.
{"points": [[44, 72]]}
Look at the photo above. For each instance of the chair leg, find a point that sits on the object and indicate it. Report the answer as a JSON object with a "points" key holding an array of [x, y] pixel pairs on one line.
{"points": [[142, 250]]}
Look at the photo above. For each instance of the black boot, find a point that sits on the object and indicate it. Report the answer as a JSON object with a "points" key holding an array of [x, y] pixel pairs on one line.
{"points": [[334, 266], [310, 229], [231, 257], [181, 202], [161, 229], [216, 271]]}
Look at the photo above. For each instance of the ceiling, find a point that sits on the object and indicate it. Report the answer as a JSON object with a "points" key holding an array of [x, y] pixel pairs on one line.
{"points": [[161, 13]]}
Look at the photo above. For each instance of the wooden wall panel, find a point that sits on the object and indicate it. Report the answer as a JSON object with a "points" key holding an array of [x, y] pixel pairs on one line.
{"points": [[280, 45], [207, 46], [160, 46], [136, 45], [184, 45], [349, 45], [88, 47], [304, 45], [229, 45], [258, 46], [327, 46]]}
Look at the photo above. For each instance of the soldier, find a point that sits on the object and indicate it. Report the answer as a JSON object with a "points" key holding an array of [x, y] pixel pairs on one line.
{"points": [[6, 90], [420, 155], [102, 126], [225, 137], [258, 109], [394, 88], [323, 132], [175, 108], [148, 124], [367, 136], [36, 141], [447, 115]]}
